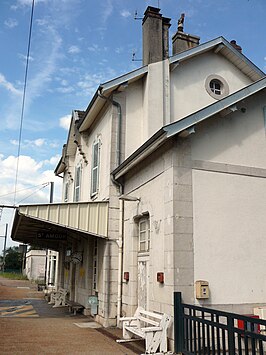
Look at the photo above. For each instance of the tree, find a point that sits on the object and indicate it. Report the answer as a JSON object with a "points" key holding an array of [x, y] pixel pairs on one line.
{"points": [[13, 259]]}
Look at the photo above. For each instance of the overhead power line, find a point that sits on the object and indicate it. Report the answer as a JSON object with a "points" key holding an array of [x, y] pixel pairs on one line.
{"points": [[26, 188], [34, 192], [23, 99]]}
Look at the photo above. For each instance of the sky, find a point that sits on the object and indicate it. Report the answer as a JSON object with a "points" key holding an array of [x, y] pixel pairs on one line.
{"points": [[75, 46]]}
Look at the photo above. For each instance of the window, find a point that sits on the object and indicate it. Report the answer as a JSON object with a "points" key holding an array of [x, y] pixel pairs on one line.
{"points": [[66, 192], [95, 167], [144, 235], [95, 266], [77, 184], [216, 86]]}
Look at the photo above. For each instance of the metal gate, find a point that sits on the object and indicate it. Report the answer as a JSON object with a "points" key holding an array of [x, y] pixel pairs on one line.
{"points": [[206, 331]]}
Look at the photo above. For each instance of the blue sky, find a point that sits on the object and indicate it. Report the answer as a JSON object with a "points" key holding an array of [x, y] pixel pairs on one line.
{"points": [[76, 45]]}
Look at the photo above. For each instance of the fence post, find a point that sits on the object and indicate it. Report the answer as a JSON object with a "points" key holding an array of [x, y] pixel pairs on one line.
{"points": [[178, 322], [231, 338]]}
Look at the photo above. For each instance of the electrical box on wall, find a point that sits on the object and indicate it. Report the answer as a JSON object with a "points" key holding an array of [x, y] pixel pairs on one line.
{"points": [[160, 277], [202, 289]]}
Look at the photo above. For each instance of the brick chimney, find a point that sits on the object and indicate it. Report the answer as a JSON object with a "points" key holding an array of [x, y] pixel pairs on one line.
{"points": [[182, 41], [155, 36]]}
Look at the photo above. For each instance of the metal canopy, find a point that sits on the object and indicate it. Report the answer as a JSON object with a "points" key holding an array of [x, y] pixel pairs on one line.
{"points": [[50, 225]]}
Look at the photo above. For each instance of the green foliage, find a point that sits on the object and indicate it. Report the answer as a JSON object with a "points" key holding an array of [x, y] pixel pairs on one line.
{"points": [[13, 275], [13, 260]]}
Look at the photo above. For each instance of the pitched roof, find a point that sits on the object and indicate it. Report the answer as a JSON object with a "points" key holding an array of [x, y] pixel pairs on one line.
{"points": [[175, 128], [218, 45], [222, 46]]}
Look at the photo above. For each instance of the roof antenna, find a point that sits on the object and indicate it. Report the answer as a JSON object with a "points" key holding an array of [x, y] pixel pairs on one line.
{"points": [[134, 59], [136, 16]]}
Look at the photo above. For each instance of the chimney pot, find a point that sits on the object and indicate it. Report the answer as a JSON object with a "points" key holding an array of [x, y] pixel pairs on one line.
{"points": [[155, 33], [235, 45], [182, 41]]}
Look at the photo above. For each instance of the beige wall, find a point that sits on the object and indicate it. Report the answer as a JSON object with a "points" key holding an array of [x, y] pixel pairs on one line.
{"points": [[229, 192], [188, 93], [229, 236], [238, 138]]}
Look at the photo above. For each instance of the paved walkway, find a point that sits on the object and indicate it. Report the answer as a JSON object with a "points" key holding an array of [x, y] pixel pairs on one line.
{"points": [[28, 325]]}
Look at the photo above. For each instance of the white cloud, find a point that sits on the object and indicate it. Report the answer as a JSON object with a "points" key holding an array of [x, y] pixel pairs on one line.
{"points": [[8, 86], [39, 142], [94, 48], [32, 180], [125, 13], [64, 90], [24, 57], [107, 10], [28, 2], [64, 122], [73, 50], [119, 50], [14, 142], [11, 23], [53, 161]]}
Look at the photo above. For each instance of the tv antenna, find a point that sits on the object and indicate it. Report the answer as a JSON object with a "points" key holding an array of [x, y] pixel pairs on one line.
{"points": [[134, 59], [136, 16]]}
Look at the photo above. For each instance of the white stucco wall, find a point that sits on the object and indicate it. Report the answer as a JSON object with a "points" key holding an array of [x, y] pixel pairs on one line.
{"points": [[101, 131], [188, 93], [154, 186], [238, 138], [229, 236], [229, 206], [134, 117]]}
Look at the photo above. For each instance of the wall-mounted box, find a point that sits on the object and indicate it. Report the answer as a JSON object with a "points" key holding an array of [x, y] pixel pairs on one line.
{"points": [[126, 276], [202, 289], [160, 277]]}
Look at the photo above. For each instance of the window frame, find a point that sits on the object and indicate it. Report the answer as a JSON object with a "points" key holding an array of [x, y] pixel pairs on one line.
{"points": [[146, 241], [224, 87], [77, 187], [95, 167], [66, 192]]}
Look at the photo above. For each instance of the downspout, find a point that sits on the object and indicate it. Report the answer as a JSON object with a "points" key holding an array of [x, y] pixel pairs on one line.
{"points": [[120, 239], [119, 124]]}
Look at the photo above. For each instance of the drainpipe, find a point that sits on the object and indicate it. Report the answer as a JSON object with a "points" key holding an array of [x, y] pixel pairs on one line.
{"points": [[120, 261], [119, 123], [119, 241]]}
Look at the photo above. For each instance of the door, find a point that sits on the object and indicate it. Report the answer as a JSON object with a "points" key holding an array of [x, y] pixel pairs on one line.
{"points": [[143, 282]]}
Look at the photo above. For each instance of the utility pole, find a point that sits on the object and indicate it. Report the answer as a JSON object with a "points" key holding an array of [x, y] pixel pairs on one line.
{"points": [[52, 192], [4, 251]]}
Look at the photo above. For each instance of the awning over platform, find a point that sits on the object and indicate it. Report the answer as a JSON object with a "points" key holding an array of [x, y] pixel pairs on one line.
{"points": [[49, 225]]}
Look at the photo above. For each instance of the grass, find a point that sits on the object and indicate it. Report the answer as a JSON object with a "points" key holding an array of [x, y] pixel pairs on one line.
{"points": [[13, 275]]}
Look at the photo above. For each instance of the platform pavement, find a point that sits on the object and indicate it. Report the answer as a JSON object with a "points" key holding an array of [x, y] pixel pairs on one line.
{"points": [[28, 325]]}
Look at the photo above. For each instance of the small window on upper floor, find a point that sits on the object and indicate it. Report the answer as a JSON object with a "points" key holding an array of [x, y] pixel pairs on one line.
{"points": [[66, 192], [95, 165], [216, 87], [77, 184]]}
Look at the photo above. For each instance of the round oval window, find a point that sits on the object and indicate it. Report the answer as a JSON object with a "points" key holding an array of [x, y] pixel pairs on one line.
{"points": [[216, 86]]}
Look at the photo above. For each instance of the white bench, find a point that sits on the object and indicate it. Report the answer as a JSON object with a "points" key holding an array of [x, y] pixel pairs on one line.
{"points": [[150, 326], [58, 298]]}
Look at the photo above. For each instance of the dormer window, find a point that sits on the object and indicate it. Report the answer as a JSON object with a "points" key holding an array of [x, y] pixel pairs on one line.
{"points": [[216, 86]]}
